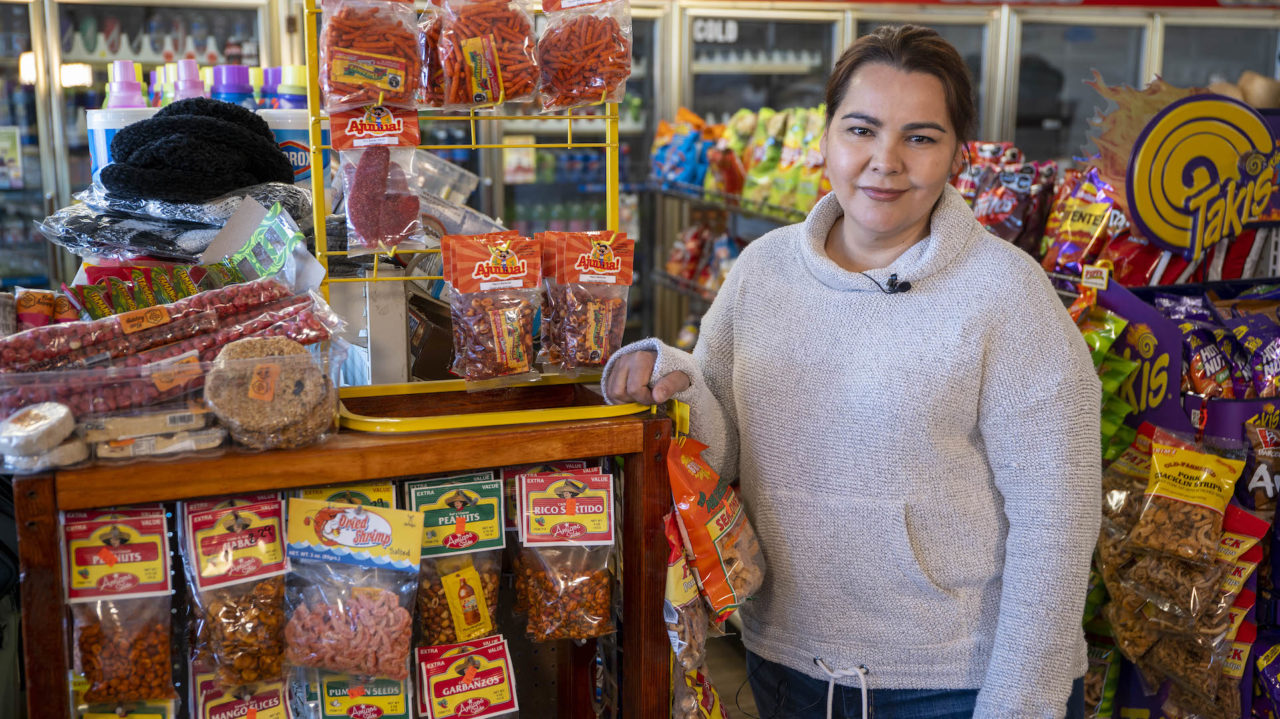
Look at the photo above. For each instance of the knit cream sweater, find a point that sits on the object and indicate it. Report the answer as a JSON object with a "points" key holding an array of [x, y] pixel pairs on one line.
{"points": [[922, 468]]}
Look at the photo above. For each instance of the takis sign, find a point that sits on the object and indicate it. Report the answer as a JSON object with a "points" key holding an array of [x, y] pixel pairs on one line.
{"points": [[1202, 170]]}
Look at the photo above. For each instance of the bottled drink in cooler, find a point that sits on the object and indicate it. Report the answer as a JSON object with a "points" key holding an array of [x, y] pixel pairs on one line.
{"points": [[557, 221], [538, 218]]}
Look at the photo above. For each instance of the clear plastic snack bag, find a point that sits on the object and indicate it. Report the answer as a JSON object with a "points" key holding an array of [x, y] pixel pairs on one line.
{"points": [[584, 53], [353, 579], [382, 210], [487, 50], [568, 592], [369, 54]]}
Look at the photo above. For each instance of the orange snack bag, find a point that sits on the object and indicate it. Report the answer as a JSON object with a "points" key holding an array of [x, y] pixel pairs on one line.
{"points": [[584, 53], [717, 534], [369, 54]]}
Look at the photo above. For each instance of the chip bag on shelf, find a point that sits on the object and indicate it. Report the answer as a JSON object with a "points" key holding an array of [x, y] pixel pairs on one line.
{"points": [[369, 54], [764, 172], [584, 53], [1087, 224]]}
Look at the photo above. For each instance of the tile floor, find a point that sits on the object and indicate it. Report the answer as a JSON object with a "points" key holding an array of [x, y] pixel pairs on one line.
{"points": [[727, 665]]}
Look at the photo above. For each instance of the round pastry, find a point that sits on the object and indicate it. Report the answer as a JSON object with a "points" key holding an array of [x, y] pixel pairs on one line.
{"points": [[73, 451], [264, 384], [295, 435], [35, 429]]}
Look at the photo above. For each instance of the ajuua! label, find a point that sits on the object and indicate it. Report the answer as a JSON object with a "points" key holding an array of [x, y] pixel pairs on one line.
{"points": [[566, 508], [343, 697], [1203, 168], [231, 545], [116, 558], [466, 680], [375, 125], [458, 517], [355, 534]]}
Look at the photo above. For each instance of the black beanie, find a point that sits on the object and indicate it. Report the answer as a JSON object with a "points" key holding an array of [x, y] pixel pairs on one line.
{"points": [[194, 150]]}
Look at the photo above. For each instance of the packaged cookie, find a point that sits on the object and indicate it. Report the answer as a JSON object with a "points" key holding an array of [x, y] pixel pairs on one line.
{"points": [[353, 575], [716, 531], [270, 393], [235, 560], [1185, 500], [119, 586]]}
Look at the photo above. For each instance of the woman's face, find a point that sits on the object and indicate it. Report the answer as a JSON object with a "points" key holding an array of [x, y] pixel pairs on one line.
{"points": [[890, 150]]}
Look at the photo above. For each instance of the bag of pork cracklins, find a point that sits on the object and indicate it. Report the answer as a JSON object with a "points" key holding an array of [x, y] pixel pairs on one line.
{"points": [[717, 535]]}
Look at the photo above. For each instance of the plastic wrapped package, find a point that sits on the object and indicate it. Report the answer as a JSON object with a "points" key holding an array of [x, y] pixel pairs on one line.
{"points": [[487, 49], [458, 597], [568, 592], [85, 232], [119, 585], [369, 54], [353, 578], [718, 536], [270, 393], [683, 611], [235, 562], [584, 53], [436, 176], [37, 349], [1134, 635], [595, 270], [495, 280], [1188, 493], [382, 212], [432, 80], [1101, 678], [213, 213], [442, 217]]}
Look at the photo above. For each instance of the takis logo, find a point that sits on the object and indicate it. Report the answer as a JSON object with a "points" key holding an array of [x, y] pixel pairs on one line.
{"points": [[503, 263], [377, 120], [1204, 167]]}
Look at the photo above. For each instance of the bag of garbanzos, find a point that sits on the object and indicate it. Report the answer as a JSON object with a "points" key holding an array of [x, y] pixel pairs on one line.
{"points": [[716, 532]]}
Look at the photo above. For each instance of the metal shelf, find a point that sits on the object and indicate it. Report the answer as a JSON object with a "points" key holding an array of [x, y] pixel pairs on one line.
{"points": [[729, 203], [586, 126], [688, 288], [751, 68]]}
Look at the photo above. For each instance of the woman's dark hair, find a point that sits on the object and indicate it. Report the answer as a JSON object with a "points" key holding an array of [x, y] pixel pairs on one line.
{"points": [[909, 48]]}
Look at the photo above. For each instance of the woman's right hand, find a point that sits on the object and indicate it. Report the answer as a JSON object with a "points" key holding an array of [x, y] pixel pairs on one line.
{"points": [[629, 380]]}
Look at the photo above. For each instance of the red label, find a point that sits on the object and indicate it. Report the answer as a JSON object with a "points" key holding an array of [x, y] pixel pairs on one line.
{"points": [[364, 711], [461, 541], [111, 556], [118, 583], [375, 125], [210, 546]]}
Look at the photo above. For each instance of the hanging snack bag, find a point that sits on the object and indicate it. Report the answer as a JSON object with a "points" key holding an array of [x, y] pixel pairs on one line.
{"points": [[567, 530], [782, 190], [682, 609], [330, 695], [34, 307], [235, 561], [1185, 501], [495, 280], [119, 586], [1260, 491], [595, 270], [369, 494], [717, 533], [763, 173], [462, 543], [353, 578], [1085, 229], [584, 53], [472, 679], [551, 327], [376, 147], [754, 152], [1101, 328], [1059, 207], [1002, 208], [1260, 339], [432, 81], [369, 54], [1208, 370], [487, 49], [809, 176]]}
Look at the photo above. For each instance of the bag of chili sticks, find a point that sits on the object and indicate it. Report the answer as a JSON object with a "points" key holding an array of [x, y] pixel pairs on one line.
{"points": [[584, 53], [487, 52], [369, 54]]}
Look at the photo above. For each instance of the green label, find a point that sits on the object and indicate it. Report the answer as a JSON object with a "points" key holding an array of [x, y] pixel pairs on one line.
{"points": [[458, 517]]}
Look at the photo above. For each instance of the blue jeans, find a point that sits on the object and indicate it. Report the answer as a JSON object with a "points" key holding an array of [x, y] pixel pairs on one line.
{"points": [[783, 693]]}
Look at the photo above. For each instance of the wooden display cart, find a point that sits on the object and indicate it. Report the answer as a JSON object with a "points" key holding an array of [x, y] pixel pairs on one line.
{"points": [[640, 439]]}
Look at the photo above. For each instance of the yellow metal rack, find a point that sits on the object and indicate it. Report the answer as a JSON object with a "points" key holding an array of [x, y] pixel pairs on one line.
{"points": [[359, 422]]}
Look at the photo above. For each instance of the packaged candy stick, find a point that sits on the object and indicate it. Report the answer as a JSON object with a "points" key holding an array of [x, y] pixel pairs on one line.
{"points": [[487, 50], [369, 54], [584, 52]]}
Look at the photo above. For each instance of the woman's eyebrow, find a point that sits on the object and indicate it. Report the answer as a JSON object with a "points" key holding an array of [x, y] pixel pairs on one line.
{"points": [[869, 119], [911, 126]]}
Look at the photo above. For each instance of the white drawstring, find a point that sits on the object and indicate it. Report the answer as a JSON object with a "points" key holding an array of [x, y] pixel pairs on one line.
{"points": [[834, 674]]}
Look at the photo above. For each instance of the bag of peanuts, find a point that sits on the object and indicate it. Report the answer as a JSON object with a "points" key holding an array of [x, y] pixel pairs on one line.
{"points": [[584, 53], [369, 54], [495, 297], [235, 561], [119, 586], [567, 530], [594, 271], [1185, 499], [487, 51], [717, 534], [354, 572], [462, 542]]}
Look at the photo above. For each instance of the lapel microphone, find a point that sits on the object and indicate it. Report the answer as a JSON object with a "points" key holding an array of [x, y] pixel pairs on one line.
{"points": [[894, 286]]}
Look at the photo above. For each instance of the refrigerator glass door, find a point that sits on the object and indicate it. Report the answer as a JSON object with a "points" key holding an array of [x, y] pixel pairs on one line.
{"points": [[1197, 55]]}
